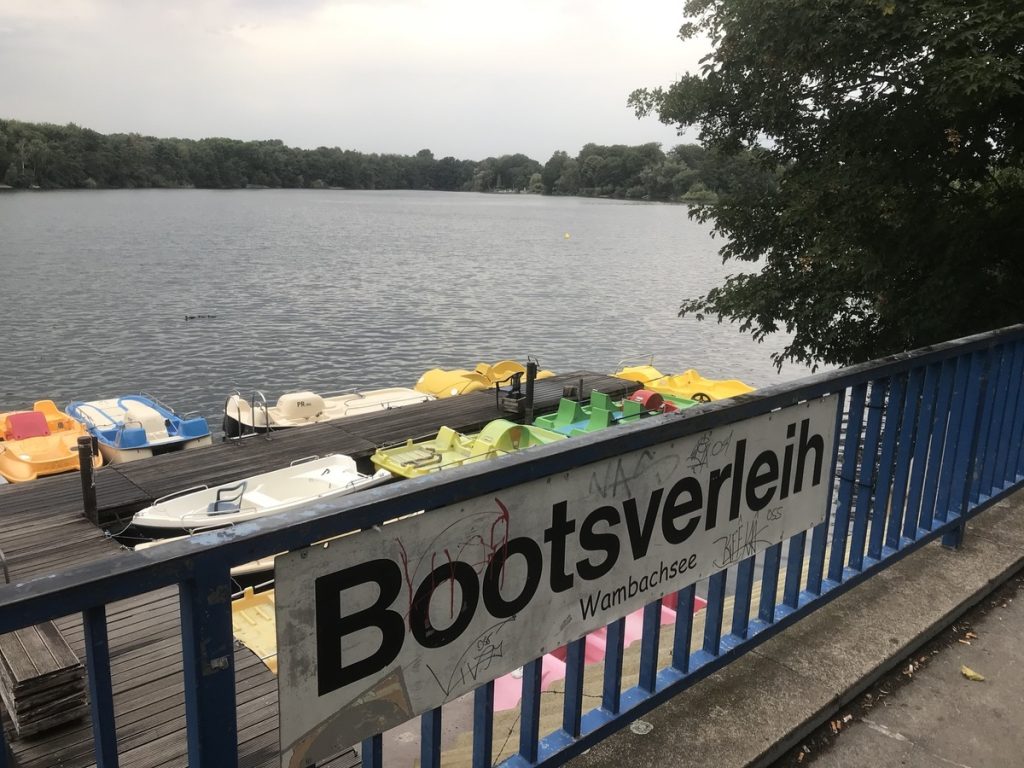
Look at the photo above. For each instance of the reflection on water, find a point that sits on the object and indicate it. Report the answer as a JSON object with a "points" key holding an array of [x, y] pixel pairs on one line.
{"points": [[333, 290]]}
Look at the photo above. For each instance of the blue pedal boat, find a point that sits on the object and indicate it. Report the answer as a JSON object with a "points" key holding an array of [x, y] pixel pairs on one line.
{"points": [[135, 427]]}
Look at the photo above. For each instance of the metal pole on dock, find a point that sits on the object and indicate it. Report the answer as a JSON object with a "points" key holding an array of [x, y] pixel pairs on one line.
{"points": [[85, 455], [531, 376]]}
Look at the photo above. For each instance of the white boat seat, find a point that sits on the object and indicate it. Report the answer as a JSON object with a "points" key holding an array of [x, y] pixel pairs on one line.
{"points": [[260, 499], [152, 422], [300, 406]]}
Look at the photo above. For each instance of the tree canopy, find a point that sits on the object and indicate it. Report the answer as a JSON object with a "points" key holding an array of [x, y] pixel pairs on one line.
{"points": [[69, 157], [897, 219]]}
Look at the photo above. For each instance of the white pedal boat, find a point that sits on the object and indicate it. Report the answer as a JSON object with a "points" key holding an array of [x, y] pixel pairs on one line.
{"points": [[297, 409], [134, 427], [257, 496]]}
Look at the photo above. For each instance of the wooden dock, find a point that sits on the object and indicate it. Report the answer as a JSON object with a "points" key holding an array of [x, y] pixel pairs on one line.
{"points": [[44, 531]]}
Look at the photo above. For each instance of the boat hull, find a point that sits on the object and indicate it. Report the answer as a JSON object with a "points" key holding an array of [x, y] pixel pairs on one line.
{"points": [[255, 497], [133, 427], [114, 455], [300, 409], [441, 383], [689, 384], [451, 449], [48, 447]]}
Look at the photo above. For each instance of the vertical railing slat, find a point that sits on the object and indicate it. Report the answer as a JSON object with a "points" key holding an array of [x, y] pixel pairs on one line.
{"points": [[769, 583], [430, 738], [847, 478], [940, 423], [999, 382], [1015, 457], [649, 647], [794, 570], [865, 483], [611, 688], [890, 435], [819, 535], [741, 602], [572, 709], [1003, 476], [951, 445], [969, 428], [529, 722], [483, 725], [905, 449], [209, 666], [990, 421], [682, 637], [372, 752], [922, 441], [101, 693], [713, 612]]}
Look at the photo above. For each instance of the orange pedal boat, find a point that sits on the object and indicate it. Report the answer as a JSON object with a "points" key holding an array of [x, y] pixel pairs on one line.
{"points": [[43, 441]]}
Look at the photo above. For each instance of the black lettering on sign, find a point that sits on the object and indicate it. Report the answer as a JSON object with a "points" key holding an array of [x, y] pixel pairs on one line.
{"points": [[332, 624], [427, 634], [498, 606]]}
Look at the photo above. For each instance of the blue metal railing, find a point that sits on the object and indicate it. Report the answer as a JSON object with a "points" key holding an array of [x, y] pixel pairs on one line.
{"points": [[923, 440]]}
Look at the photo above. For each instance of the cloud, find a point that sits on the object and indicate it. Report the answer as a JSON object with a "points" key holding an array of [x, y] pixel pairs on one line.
{"points": [[465, 78]]}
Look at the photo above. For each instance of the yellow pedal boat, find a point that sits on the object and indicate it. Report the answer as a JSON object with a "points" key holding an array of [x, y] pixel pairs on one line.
{"points": [[451, 449], [252, 622], [688, 384], [458, 381], [43, 441]]}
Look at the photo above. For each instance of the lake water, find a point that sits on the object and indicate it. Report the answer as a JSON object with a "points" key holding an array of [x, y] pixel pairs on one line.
{"points": [[338, 290]]}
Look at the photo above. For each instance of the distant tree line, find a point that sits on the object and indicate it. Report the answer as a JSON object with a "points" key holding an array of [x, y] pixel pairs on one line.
{"points": [[46, 156]]}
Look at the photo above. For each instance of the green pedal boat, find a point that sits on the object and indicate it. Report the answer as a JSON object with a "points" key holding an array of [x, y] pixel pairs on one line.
{"points": [[451, 449], [573, 418]]}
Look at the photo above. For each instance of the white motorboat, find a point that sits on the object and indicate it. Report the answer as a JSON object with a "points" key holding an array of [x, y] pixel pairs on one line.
{"points": [[257, 496], [297, 409]]}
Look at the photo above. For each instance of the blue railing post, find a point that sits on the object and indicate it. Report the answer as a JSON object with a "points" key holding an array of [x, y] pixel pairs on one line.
{"points": [[938, 442], [649, 647], [901, 478], [209, 667], [864, 487], [922, 441], [682, 636], [1009, 433], [611, 686], [483, 725], [372, 749], [101, 695], [887, 459], [968, 470], [529, 723], [847, 481], [1014, 455], [819, 534], [572, 711], [430, 738], [1000, 369]]}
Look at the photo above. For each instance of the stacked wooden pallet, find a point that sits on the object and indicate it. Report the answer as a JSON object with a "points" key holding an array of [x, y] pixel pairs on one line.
{"points": [[42, 682]]}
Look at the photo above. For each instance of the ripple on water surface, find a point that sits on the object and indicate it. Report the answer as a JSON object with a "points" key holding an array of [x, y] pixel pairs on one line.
{"points": [[329, 290]]}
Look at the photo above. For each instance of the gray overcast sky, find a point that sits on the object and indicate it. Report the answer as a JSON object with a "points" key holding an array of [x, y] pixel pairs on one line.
{"points": [[469, 78]]}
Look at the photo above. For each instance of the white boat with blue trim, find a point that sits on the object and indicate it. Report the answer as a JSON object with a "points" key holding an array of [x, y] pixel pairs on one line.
{"points": [[134, 427]]}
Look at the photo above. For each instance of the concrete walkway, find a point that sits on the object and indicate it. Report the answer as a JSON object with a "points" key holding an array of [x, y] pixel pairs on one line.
{"points": [[766, 706], [930, 714]]}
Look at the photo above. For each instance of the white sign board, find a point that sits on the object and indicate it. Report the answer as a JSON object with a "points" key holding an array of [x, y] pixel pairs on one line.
{"points": [[386, 624]]}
